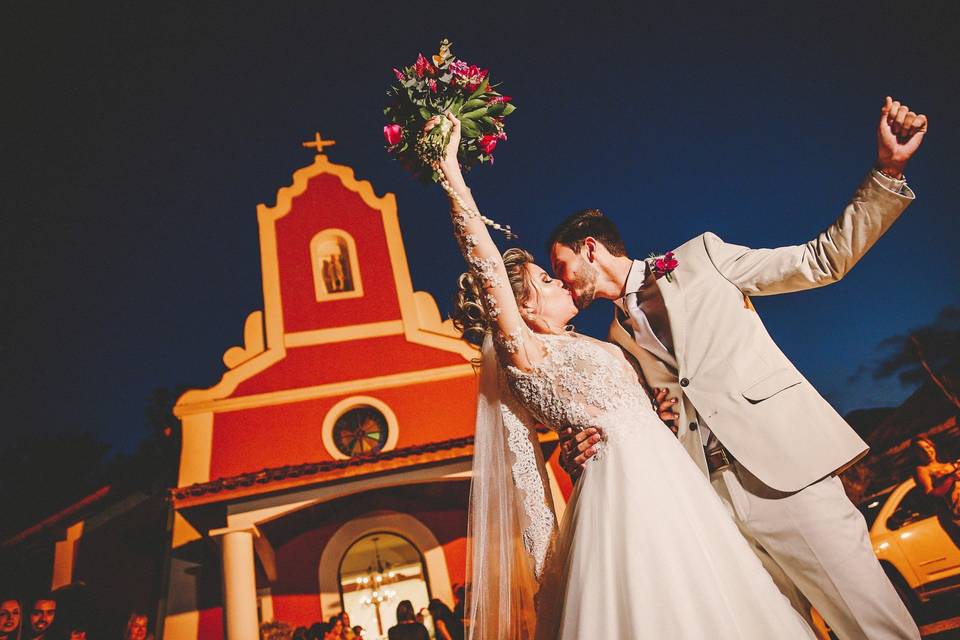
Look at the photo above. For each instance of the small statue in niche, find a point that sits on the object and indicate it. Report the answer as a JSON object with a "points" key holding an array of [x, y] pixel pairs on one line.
{"points": [[335, 266]]}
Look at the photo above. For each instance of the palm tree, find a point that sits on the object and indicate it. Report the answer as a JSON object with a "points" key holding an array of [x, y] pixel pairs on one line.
{"points": [[928, 353]]}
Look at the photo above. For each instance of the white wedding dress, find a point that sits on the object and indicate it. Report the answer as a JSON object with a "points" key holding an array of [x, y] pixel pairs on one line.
{"points": [[646, 549]]}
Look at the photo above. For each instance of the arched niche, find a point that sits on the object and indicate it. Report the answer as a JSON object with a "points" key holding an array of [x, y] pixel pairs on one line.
{"points": [[336, 268]]}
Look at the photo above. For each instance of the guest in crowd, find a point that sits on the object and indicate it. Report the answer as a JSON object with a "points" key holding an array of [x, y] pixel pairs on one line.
{"points": [[445, 624], [357, 631], [42, 615], [407, 627], [10, 616], [336, 626], [459, 596], [275, 630], [939, 480], [77, 633], [317, 631], [300, 633], [347, 631], [331, 634], [137, 625]]}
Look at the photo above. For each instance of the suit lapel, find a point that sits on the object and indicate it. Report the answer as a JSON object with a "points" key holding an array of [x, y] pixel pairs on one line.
{"points": [[676, 308], [623, 336]]}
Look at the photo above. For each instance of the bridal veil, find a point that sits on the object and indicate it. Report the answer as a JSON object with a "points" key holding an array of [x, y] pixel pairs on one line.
{"points": [[511, 526]]}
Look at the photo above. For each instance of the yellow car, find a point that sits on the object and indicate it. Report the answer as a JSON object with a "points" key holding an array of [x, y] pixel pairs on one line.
{"points": [[917, 553]]}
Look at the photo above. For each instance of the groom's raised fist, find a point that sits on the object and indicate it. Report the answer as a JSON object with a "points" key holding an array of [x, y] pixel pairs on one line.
{"points": [[899, 135]]}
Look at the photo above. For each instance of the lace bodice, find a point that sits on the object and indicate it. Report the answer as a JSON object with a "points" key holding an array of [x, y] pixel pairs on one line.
{"points": [[581, 382]]}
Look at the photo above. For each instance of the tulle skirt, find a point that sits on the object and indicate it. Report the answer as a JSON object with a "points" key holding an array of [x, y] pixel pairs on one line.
{"points": [[648, 550]]}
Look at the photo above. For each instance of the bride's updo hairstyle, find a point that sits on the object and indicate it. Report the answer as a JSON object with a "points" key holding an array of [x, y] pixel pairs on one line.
{"points": [[468, 315]]}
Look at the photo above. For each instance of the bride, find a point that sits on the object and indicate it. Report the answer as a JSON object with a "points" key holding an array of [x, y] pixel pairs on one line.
{"points": [[646, 548]]}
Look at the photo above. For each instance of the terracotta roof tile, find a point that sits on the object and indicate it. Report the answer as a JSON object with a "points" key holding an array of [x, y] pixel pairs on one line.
{"points": [[352, 466]]}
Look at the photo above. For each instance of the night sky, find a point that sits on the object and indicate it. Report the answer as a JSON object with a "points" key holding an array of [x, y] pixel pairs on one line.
{"points": [[139, 138]]}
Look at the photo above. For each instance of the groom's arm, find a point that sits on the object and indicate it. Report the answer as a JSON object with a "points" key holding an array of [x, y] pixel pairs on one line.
{"points": [[832, 254]]}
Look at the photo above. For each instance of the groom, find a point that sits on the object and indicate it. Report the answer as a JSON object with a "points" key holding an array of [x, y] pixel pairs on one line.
{"points": [[770, 444]]}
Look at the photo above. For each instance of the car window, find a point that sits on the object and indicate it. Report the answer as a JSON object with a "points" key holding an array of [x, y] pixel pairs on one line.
{"points": [[916, 505], [871, 508]]}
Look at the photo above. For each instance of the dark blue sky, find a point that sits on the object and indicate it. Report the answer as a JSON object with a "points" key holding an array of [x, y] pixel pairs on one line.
{"points": [[139, 140]]}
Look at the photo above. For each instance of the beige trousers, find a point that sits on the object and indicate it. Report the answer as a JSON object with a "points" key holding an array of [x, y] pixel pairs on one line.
{"points": [[817, 549]]}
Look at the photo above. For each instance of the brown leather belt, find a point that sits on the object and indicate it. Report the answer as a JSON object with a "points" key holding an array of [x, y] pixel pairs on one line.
{"points": [[718, 458]]}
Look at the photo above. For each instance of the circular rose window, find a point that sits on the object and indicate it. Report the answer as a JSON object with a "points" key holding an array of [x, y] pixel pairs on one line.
{"points": [[360, 431]]}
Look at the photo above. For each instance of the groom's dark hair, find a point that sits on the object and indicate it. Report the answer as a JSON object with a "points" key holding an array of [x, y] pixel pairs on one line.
{"points": [[589, 223]]}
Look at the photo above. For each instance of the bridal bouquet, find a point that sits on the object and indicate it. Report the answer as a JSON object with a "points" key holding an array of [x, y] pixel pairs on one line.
{"points": [[431, 87]]}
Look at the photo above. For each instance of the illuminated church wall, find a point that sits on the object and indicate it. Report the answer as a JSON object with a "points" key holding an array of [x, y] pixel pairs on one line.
{"points": [[343, 341], [291, 434]]}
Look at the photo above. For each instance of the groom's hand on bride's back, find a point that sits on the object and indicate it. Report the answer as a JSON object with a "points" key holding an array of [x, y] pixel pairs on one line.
{"points": [[576, 447]]}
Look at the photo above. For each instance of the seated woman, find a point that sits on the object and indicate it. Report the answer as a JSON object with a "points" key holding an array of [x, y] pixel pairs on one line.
{"points": [[939, 480]]}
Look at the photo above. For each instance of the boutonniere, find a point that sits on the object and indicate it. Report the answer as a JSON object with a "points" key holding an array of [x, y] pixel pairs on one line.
{"points": [[664, 265]]}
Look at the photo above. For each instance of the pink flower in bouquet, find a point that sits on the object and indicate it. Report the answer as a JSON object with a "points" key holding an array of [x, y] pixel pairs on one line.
{"points": [[468, 76], [399, 74], [421, 66], [488, 143], [433, 85], [498, 99], [393, 134]]}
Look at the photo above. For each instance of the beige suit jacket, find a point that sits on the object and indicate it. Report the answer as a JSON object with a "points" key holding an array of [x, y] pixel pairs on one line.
{"points": [[729, 372]]}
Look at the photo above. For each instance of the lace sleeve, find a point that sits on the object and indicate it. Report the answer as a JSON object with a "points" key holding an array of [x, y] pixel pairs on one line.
{"points": [[529, 470], [517, 345]]}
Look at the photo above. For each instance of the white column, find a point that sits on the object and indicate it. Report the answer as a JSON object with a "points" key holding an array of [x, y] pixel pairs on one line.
{"points": [[64, 556], [239, 584]]}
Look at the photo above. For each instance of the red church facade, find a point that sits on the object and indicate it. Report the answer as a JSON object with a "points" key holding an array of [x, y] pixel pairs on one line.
{"points": [[329, 468]]}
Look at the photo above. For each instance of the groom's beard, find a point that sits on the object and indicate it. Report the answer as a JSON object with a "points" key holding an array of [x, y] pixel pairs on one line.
{"points": [[584, 286]]}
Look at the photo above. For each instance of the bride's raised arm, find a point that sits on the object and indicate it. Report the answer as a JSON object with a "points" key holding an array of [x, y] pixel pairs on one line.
{"points": [[516, 344]]}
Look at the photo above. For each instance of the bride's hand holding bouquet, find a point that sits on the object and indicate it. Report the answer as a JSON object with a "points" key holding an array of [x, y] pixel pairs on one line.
{"points": [[449, 166]]}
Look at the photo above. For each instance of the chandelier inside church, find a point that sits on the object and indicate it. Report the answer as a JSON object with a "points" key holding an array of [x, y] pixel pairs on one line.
{"points": [[379, 576]]}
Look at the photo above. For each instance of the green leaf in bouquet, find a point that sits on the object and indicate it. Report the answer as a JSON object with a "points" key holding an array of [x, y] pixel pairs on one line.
{"points": [[508, 108], [470, 105], [425, 113], [470, 128], [490, 122], [497, 109], [480, 90], [475, 114]]}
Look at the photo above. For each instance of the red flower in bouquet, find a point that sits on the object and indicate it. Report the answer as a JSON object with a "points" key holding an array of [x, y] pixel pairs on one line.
{"points": [[421, 66], [488, 143], [468, 76], [393, 134]]}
